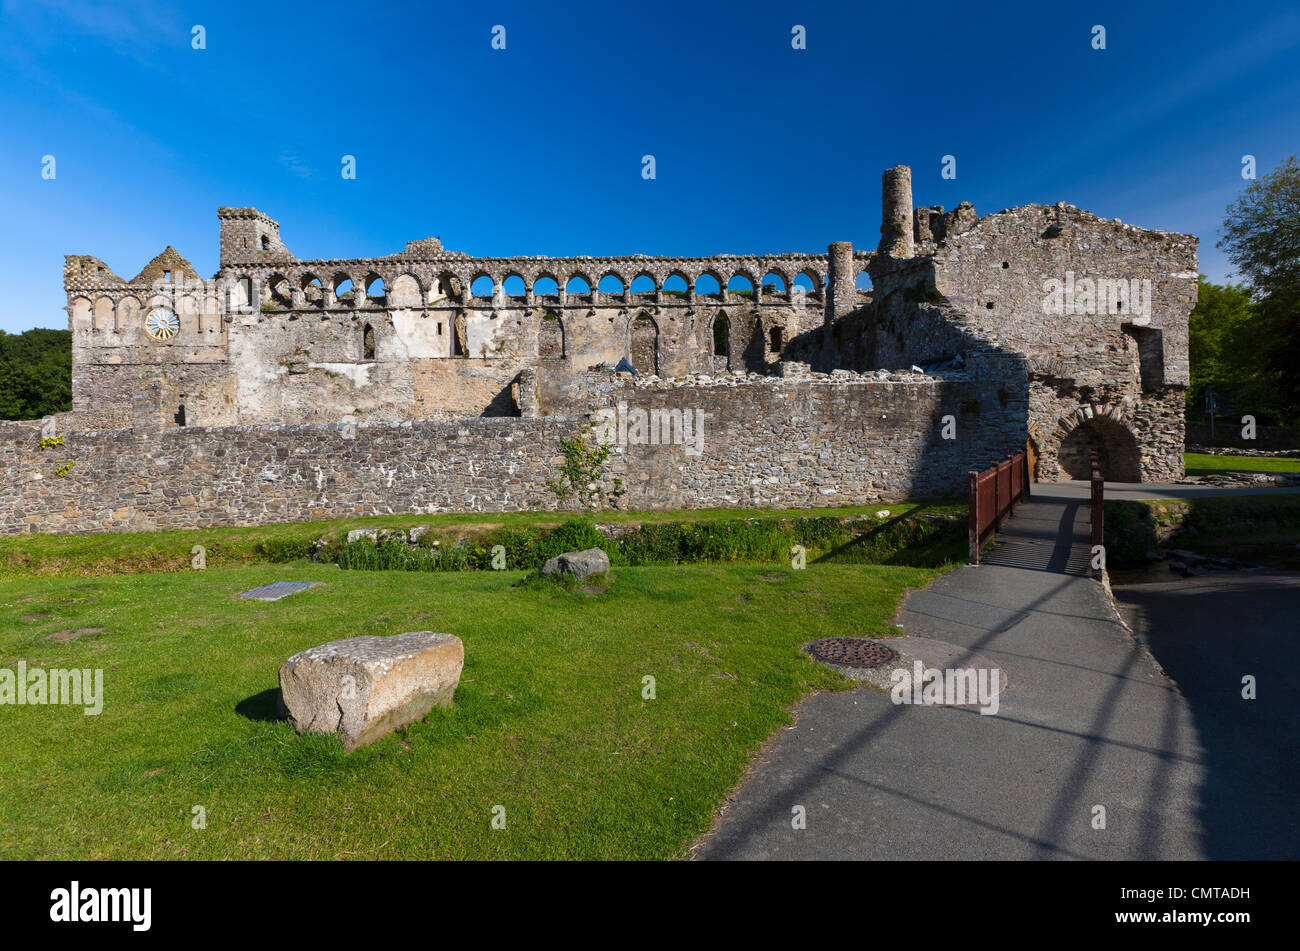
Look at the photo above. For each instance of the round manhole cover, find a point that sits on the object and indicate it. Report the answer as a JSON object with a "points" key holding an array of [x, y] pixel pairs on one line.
{"points": [[851, 652]]}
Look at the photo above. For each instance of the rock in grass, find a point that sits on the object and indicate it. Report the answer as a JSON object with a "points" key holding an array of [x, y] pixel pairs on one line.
{"points": [[580, 564], [363, 688]]}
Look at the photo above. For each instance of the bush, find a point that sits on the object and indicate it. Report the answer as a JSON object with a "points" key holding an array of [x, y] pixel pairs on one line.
{"points": [[281, 550], [574, 535]]}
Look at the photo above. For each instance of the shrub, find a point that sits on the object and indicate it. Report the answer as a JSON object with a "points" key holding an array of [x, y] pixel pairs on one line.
{"points": [[281, 550], [574, 535]]}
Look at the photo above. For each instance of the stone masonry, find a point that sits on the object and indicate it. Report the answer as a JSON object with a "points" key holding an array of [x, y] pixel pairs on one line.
{"points": [[430, 380]]}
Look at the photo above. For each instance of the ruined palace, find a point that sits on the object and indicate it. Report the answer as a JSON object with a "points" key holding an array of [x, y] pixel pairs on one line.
{"points": [[432, 380]]}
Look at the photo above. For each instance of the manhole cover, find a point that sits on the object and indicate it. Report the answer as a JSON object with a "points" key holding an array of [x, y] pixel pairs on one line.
{"points": [[851, 652]]}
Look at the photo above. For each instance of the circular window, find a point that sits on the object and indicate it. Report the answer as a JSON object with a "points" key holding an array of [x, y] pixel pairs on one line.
{"points": [[161, 323]]}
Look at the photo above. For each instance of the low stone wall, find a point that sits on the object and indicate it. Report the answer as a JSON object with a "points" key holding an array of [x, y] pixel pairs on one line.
{"points": [[771, 442]]}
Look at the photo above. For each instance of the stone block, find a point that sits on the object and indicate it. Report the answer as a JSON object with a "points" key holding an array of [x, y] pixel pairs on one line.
{"points": [[364, 688]]}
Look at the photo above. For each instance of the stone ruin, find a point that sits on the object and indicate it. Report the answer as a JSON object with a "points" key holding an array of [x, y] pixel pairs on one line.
{"points": [[825, 377]]}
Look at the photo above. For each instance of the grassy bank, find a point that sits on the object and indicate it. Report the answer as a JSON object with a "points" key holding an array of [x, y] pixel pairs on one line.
{"points": [[874, 540], [549, 721]]}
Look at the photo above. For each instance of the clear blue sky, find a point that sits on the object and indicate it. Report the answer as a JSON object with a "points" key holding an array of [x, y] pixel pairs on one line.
{"points": [[537, 149]]}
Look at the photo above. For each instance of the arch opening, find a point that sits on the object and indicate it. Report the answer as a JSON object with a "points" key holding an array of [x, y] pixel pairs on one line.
{"points": [[644, 348], [1117, 451], [643, 284], [550, 337], [675, 286], [740, 285]]}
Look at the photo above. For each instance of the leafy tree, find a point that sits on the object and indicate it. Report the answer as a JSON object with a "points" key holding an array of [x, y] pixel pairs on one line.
{"points": [[1226, 330], [35, 373], [1261, 234]]}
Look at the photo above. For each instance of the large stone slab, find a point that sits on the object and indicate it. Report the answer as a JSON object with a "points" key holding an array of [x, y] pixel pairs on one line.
{"points": [[363, 688], [580, 564]]}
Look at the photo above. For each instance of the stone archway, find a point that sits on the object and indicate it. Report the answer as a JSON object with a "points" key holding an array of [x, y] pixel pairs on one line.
{"points": [[1103, 429]]}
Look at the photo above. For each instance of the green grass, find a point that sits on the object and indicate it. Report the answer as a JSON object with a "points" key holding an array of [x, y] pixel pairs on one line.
{"points": [[549, 719], [26, 556], [1201, 463]]}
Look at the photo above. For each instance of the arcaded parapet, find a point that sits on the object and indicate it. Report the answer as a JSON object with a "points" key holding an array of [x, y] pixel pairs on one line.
{"points": [[426, 333]]}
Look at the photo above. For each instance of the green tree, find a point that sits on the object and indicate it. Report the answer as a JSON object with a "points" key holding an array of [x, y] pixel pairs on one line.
{"points": [[1261, 234], [35, 373], [1225, 331]]}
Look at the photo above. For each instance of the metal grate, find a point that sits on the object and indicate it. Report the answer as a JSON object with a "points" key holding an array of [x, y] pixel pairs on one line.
{"points": [[851, 652], [278, 590]]}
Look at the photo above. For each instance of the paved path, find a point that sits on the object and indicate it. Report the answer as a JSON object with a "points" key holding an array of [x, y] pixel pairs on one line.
{"points": [[1088, 720], [1209, 632]]}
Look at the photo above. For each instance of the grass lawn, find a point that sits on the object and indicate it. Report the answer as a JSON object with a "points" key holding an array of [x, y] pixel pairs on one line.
{"points": [[1201, 463], [549, 720]]}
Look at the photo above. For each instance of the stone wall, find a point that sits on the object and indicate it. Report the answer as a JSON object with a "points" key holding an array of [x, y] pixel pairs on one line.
{"points": [[1098, 309], [464, 395], [766, 441]]}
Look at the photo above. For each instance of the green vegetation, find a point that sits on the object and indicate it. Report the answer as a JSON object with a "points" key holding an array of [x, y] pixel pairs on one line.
{"points": [[583, 471], [921, 539], [1261, 529], [1245, 340], [1199, 463], [549, 720], [35, 373], [66, 555]]}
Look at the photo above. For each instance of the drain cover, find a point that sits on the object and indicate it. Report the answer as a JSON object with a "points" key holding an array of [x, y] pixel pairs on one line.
{"points": [[851, 652], [278, 590]]}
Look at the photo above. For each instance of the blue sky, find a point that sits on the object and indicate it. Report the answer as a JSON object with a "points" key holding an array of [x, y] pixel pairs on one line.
{"points": [[536, 149]]}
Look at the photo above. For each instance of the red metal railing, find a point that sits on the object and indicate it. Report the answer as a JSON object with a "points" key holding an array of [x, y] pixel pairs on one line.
{"points": [[994, 495], [1098, 494]]}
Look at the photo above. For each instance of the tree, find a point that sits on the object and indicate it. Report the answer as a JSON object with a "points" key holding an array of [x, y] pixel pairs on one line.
{"points": [[1261, 234], [1224, 334], [35, 373]]}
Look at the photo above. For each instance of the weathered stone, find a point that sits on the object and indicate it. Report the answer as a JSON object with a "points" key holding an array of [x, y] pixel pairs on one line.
{"points": [[579, 564], [359, 533], [281, 395], [363, 688]]}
